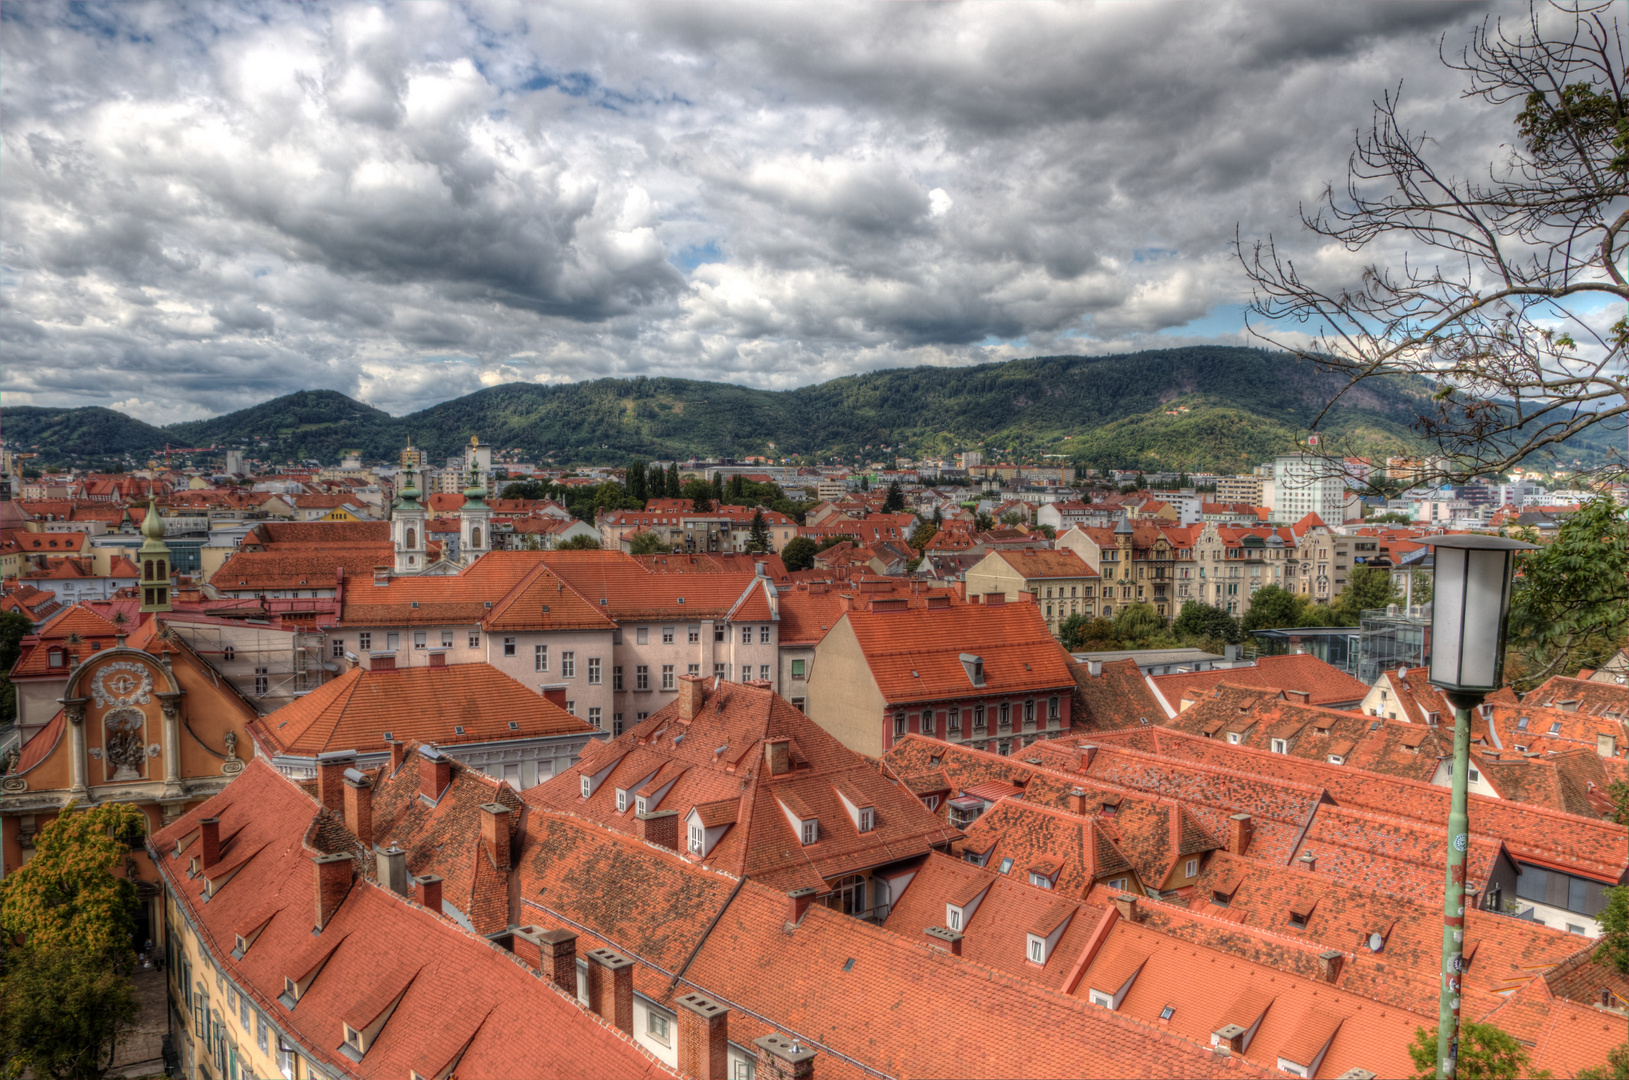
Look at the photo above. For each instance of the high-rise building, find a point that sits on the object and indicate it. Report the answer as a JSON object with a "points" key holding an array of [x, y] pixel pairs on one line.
{"points": [[1306, 484]]}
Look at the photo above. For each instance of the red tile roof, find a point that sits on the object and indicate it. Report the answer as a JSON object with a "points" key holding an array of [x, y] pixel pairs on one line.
{"points": [[1323, 683], [299, 568], [914, 655]]}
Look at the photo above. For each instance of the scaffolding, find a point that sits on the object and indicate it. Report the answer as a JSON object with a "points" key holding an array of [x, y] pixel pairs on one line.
{"points": [[267, 664]]}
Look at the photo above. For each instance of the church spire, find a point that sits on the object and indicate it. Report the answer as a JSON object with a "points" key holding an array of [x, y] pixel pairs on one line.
{"points": [[154, 557]]}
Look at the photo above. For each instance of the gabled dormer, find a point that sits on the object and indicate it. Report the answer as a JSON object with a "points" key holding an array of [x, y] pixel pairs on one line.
{"points": [[590, 781], [800, 816], [861, 811]]}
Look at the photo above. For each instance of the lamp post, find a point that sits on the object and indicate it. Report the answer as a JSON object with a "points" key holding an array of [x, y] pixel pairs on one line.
{"points": [[1470, 605]]}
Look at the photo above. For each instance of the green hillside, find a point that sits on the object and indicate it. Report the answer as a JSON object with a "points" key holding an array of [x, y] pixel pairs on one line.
{"points": [[1197, 408]]}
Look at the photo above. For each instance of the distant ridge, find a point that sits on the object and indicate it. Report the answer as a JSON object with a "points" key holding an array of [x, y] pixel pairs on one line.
{"points": [[1196, 408]]}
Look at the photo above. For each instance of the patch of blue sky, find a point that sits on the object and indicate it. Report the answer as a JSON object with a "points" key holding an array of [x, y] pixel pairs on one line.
{"points": [[1152, 254], [688, 258], [1224, 319]]}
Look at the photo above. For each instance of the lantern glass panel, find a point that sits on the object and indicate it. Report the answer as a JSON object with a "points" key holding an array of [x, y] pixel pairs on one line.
{"points": [[1469, 607]]}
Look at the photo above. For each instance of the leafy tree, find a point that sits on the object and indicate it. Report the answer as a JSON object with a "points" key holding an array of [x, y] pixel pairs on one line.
{"points": [[922, 534], [673, 488], [758, 538], [1197, 620], [578, 543], [865, 482], [1078, 633], [63, 1011], [1571, 600], [14, 626], [636, 480], [799, 553], [1367, 588], [700, 494], [1391, 517], [718, 487], [655, 483], [833, 541], [1137, 623], [524, 489], [737, 488], [1485, 1053], [983, 522], [1047, 531], [1614, 920], [1616, 1067], [1012, 517], [1476, 262], [895, 502], [1272, 606], [66, 896], [646, 542]]}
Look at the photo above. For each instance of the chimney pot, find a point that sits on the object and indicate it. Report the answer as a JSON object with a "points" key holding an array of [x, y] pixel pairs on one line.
{"points": [[209, 842], [1088, 754], [1094, 668], [799, 903], [331, 768], [435, 773], [783, 1058], [495, 833], [526, 946], [1308, 860], [1329, 965], [1126, 905], [659, 827], [1077, 800], [392, 863], [994, 599], [691, 695], [398, 754], [1239, 829], [610, 988], [704, 1037], [333, 882], [951, 939], [427, 891], [359, 806], [778, 756], [559, 949]]}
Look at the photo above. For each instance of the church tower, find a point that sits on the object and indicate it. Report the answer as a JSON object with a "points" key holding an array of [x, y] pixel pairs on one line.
{"points": [[474, 518], [407, 520], [154, 558]]}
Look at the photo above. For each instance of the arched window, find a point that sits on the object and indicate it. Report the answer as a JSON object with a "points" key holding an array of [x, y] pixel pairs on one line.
{"points": [[475, 537], [162, 570], [412, 538], [148, 570], [927, 725], [849, 896]]}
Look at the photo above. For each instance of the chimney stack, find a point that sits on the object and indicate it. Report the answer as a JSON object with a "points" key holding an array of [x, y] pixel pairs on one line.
{"points": [[659, 827], [1126, 905], [1229, 1038], [781, 1058], [1300, 697], [800, 900], [704, 1037], [333, 882], [778, 756], [610, 988], [435, 773], [398, 754], [559, 949], [1239, 830], [392, 863], [1088, 754], [495, 833], [554, 693], [427, 891], [690, 696], [950, 940], [527, 947], [1308, 860], [994, 599], [1077, 800], [330, 778], [1094, 668], [1329, 965], [209, 842], [382, 661], [359, 806]]}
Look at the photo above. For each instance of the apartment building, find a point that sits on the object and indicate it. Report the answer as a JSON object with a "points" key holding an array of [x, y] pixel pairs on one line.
{"points": [[1058, 583], [1141, 563], [1305, 484]]}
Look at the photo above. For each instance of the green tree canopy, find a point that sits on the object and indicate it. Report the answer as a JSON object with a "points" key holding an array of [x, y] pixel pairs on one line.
{"points": [[14, 626], [636, 480], [758, 538], [1271, 607], [67, 895], [674, 489], [578, 543], [1616, 1067], [63, 1011], [1570, 603], [1137, 623], [700, 494], [895, 502], [1614, 919], [799, 553], [1197, 620], [1485, 1053], [646, 542], [1367, 588]]}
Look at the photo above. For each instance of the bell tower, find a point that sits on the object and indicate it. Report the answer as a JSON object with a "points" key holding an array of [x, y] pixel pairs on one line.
{"points": [[475, 516], [154, 558], [407, 521]]}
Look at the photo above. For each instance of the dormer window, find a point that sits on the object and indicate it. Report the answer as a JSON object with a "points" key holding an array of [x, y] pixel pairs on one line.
{"points": [[867, 819], [290, 988], [353, 1037], [1281, 746], [642, 804], [622, 799], [1039, 880], [588, 789], [57, 659], [953, 917], [698, 839], [1233, 737], [811, 831], [1521, 724], [974, 667]]}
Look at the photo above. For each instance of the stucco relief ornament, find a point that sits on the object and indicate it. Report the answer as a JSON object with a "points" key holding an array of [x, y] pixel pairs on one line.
{"points": [[233, 764], [125, 750], [12, 783], [123, 683]]}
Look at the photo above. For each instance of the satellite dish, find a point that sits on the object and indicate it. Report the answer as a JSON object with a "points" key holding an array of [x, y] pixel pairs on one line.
{"points": [[1376, 941]]}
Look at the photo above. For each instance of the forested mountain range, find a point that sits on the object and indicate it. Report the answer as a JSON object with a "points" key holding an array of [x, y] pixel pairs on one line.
{"points": [[1193, 408]]}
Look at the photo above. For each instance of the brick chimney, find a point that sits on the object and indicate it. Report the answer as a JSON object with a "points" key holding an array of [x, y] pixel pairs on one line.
{"points": [[610, 988], [359, 806], [382, 661], [1300, 697], [495, 833], [1077, 800], [781, 1058], [1329, 965], [948, 940], [659, 827], [333, 882], [690, 695], [778, 756], [1088, 754], [525, 945], [398, 754], [994, 599], [555, 693], [392, 869], [427, 891], [1239, 830], [209, 842], [799, 903], [435, 773], [331, 778], [1308, 861], [704, 1037], [1126, 905], [559, 949]]}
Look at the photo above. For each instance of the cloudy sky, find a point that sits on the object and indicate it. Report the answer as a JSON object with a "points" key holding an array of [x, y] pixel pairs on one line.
{"points": [[204, 207]]}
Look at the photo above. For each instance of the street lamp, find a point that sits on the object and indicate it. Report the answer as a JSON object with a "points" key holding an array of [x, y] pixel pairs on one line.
{"points": [[1470, 605]]}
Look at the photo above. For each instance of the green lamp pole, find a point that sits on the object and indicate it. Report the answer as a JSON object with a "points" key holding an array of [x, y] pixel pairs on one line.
{"points": [[1470, 606]]}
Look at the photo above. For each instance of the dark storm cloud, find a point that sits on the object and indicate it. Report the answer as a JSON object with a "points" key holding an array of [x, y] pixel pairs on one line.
{"points": [[205, 206]]}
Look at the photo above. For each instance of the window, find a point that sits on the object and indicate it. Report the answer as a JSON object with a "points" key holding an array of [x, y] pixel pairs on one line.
{"points": [[978, 718], [1006, 716], [475, 639], [746, 635], [1036, 950], [1052, 708], [594, 715], [568, 665], [262, 1033], [763, 672], [364, 641], [640, 718], [1040, 881], [931, 802], [337, 648], [695, 634], [746, 672], [811, 831], [509, 648], [667, 635], [616, 677], [593, 671], [866, 818], [540, 656], [697, 839], [1191, 868], [1233, 737], [1029, 712], [667, 677], [763, 635], [953, 916], [899, 725], [262, 682], [926, 725], [658, 1025], [1281, 746], [718, 632], [571, 707], [446, 639], [642, 636], [692, 669], [798, 668], [616, 724], [641, 676], [421, 639], [1118, 884], [392, 642], [721, 671]]}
